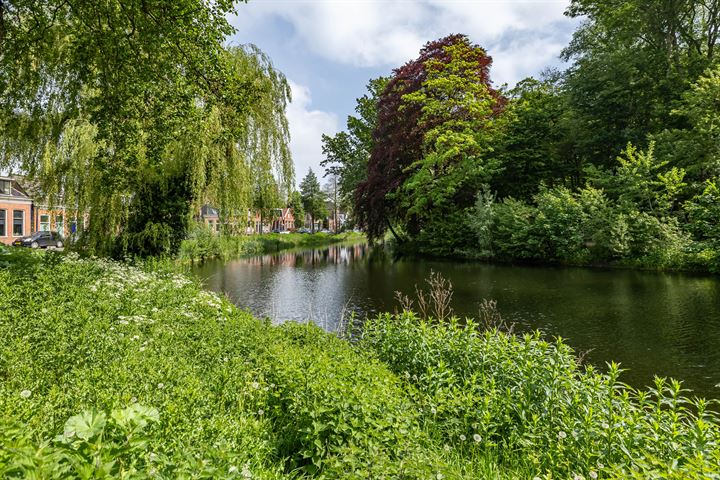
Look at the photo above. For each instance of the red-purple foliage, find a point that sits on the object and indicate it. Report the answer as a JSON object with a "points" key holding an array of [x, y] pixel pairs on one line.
{"points": [[399, 134]]}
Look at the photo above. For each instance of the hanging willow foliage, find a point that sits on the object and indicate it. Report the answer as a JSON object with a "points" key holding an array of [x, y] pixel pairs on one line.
{"points": [[136, 118]]}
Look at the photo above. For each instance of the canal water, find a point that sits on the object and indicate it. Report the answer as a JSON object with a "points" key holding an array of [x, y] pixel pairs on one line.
{"points": [[663, 324]]}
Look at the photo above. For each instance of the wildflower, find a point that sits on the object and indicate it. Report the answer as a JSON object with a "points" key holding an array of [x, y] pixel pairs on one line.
{"points": [[593, 474], [246, 471], [232, 469], [477, 438], [161, 386], [463, 438], [439, 476], [255, 385], [135, 337], [577, 476], [562, 435], [601, 466], [605, 426], [261, 411], [133, 400], [447, 447], [25, 394], [433, 411], [153, 456]]}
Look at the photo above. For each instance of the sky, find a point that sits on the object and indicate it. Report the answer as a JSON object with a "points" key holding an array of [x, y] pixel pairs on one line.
{"points": [[329, 49]]}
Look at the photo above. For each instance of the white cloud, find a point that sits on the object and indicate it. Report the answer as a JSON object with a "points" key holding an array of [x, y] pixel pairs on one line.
{"points": [[306, 129], [374, 33]]}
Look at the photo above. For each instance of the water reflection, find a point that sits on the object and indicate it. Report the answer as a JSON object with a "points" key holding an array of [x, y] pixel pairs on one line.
{"points": [[666, 324]]}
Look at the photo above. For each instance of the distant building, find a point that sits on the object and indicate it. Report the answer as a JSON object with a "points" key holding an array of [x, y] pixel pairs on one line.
{"points": [[281, 219], [25, 210]]}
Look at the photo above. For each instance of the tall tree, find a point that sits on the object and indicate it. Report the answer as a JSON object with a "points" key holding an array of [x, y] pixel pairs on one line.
{"points": [[429, 139], [347, 153], [296, 204], [313, 198], [331, 189], [167, 114], [633, 59]]}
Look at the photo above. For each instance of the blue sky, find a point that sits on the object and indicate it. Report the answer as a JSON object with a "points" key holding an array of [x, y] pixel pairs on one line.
{"points": [[329, 49]]}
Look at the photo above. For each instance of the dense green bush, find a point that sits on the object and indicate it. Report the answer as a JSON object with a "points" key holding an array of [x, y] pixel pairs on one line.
{"points": [[580, 228], [522, 396]]}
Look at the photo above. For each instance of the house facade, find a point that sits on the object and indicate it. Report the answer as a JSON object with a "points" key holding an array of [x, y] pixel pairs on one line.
{"points": [[22, 213], [16, 209], [280, 219]]}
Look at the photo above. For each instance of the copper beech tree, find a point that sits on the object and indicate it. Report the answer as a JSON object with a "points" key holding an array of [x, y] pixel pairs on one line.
{"points": [[428, 157]]}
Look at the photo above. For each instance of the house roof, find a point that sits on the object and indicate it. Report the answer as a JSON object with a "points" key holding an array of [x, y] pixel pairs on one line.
{"points": [[208, 211], [17, 192]]}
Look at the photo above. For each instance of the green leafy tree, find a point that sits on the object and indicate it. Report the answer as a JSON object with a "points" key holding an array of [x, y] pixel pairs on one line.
{"points": [[533, 141], [696, 148], [347, 153], [313, 198], [431, 140], [641, 182], [117, 105], [296, 204]]}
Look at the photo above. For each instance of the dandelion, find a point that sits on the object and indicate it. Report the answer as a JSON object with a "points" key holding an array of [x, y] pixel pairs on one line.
{"points": [[261, 411], [562, 435], [133, 400], [433, 411], [161, 386], [463, 438], [477, 438], [255, 385], [601, 466], [577, 476], [593, 474], [447, 447], [25, 394]]}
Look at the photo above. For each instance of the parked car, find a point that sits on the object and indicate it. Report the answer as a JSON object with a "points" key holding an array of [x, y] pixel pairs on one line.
{"points": [[41, 240], [303, 230]]}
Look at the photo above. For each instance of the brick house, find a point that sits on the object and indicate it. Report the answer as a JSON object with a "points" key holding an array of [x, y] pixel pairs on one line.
{"points": [[283, 219], [24, 211], [16, 208]]}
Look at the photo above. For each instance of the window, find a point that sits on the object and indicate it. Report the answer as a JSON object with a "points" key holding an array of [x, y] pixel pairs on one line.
{"points": [[60, 224], [18, 223], [3, 220], [44, 223], [217, 226], [5, 187]]}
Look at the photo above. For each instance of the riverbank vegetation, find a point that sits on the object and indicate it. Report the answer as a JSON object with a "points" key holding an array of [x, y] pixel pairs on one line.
{"points": [[204, 244], [613, 160], [125, 371]]}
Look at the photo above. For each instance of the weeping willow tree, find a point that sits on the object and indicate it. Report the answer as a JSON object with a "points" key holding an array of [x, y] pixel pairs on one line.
{"points": [[133, 114]]}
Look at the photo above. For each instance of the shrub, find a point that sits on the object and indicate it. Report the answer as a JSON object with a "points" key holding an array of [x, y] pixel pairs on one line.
{"points": [[524, 396]]}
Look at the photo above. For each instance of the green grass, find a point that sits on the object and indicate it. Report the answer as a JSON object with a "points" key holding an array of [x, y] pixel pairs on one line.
{"points": [[114, 371], [203, 244]]}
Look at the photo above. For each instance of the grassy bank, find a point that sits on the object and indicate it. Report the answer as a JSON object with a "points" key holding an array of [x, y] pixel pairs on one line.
{"points": [[203, 244], [113, 370]]}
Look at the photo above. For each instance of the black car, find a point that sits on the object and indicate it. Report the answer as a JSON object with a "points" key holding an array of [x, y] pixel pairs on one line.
{"points": [[40, 240]]}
